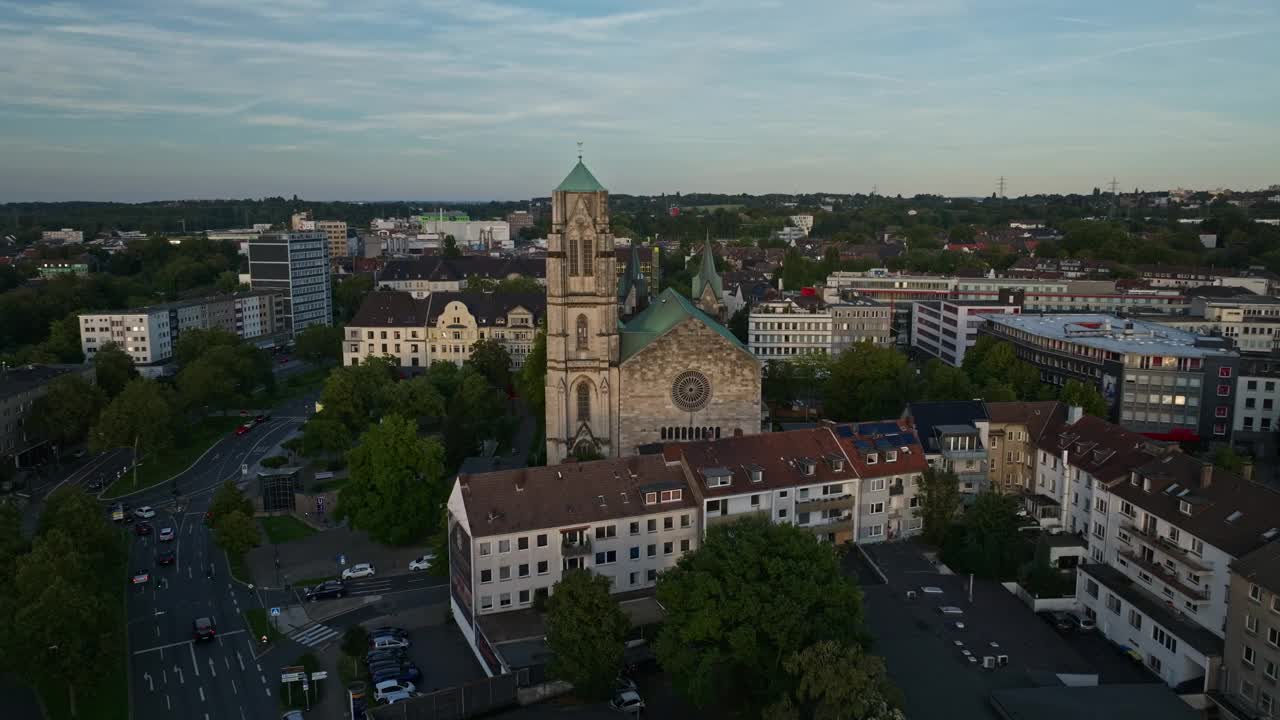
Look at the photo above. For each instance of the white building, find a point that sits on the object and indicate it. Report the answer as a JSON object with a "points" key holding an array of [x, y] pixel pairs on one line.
{"points": [[143, 333], [803, 222], [806, 325], [946, 329], [63, 236], [296, 266]]}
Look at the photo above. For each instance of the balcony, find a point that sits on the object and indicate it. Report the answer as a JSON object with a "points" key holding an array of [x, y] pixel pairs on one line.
{"points": [[1164, 545], [575, 548], [840, 523], [833, 502], [896, 489], [713, 520], [972, 454], [1162, 574]]}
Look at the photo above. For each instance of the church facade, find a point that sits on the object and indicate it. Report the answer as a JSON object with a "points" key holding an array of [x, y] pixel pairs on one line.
{"points": [[669, 372]]}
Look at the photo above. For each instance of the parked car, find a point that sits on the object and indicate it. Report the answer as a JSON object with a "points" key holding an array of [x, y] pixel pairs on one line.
{"points": [[387, 687], [1085, 623], [326, 589], [359, 570], [262, 418], [389, 630], [141, 577], [145, 512], [203, 629], [422, 563], [395, 697], [241, 430], [142, 529], [627, 701], [388, 641], [1061, 621], [166, 558], [292, 715], [166, 534], [623, 684], [950, 610], [407, 674], [398, 654], [117, 512]]}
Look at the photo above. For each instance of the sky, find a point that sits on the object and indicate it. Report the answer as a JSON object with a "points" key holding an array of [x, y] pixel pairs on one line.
{"points": [[135, 100]]}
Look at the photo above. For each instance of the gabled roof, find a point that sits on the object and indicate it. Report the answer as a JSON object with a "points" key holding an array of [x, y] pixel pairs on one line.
{"points": [[707, 275], [487, 308], [390, 308], [927, 416], [862, 440], [1037, 416], [665, 312], [580, 179], [1104, 450], [775, 456]]}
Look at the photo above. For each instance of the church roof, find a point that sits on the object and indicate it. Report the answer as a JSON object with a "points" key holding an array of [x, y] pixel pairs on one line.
{"points": [[668, 310], [707, 274], [633, 277], [580, 179]]}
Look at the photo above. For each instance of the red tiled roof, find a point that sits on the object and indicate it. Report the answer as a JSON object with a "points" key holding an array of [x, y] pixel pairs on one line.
{"points": [[776, 454]]}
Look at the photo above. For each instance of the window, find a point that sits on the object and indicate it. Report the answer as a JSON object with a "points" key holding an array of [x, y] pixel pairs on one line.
{"points": [[486, 602], [606, 531], [1135, 619], [650, 498], [877, 484], [1091, 587], [486, 576], [782, 513], [684, 545], [668, 523], [1197, 546], [1099, 530], [877, 508], [651, 575], [1127, 509], [1220, 411], [542, 567], [584, 342], [685, 520], [651, 551], [522, 543], [1246, 689], [1265, 703], [1273, 637], [606, 557], [1224, 390], [1249, 656], [668, 548], [634, 578], [584, 402], [522, 570], [634, 528], [651, 525], [755, 501], [504, 572], [671, 495], [1270, 670], [504, 599], [1250, 624], [635, 552], [485, 549], [1113, 603], [875, 530], [1255, 593], [1224, 372], [1219, 429], [504, 546], [542, 540], [1159, 635], [524, 597]]}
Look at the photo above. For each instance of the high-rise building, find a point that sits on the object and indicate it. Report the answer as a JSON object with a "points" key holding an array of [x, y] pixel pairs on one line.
{"points": [[295, 265], [336, 231]]}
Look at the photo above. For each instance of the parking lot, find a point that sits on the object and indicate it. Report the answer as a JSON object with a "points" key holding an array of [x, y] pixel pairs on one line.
{"points": [[925, 649]]}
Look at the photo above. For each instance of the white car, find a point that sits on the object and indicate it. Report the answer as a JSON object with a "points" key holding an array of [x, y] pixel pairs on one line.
{"points": [[931, 590], [166, 534], [360, 570], [950, 610], [422, 563], [391, 687], [395, 697], [627, 701], [144, 512]]}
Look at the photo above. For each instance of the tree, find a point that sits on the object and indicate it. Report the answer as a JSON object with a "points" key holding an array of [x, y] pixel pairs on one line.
{"points": [[867, 382], [519, 285], [837, 682], [939, 501], [237, 533], [355, 643], [1077, 394], [349, 295], [418, 398], [194, 344], [356, 394], [531, 381], [78, 515], [228, 282], [450, 247], [991, 361], [67, 409], [205, 382], [141, 415], [1226, 458], [472, 411], [738, 324], [113, 368], [323, 434], [754, 593], [319, 343], [585, 632], [985, 541], [396, 483], [945, 382], [227, 500], [491, 360]]}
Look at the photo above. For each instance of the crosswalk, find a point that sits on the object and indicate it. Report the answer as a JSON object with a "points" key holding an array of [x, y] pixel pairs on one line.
{"points": [[313, 635]]}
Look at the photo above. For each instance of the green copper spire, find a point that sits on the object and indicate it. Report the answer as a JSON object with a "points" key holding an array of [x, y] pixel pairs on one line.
{"points": [[580, 179], [707, 275]]}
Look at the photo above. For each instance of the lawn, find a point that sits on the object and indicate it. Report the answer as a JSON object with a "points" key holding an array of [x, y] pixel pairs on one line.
{"points": [[284, 528], [259, 624], [158, 468], [239, 570], [105, 695]]}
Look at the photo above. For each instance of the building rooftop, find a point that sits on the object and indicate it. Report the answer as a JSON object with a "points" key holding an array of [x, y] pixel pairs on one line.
{"points": [[24, 378], [1262, 566], [665, 312], [777, 457], [390, 308], [1110, 333], [579, 179], [1104, 450], [441, 269], [1039, 417], [928, 416], [1097, 702], [1232, 514], [572, 494], [862, 441], [488, 308], [1184, 629]]}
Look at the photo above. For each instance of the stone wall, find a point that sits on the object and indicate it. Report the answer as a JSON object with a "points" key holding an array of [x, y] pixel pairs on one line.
{"points": [[646, 404]]}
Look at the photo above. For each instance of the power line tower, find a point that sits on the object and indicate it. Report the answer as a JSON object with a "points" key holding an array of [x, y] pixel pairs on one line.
{"points": [[1115, 197], [1000, 186]]}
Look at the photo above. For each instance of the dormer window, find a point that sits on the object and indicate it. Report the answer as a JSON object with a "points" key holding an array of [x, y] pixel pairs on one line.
{"points": [[671, 495], [807, 466], [650, 498], [890, 456], [756, 472], [872, 458], [1184, 507], [836, 462], [717, 476]]}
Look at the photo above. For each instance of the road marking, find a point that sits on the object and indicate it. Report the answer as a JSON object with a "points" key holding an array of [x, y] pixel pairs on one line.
{"points": [[212, 670], [191, 646], [234, 691], [202, 696], [167, 706], [242, 717], [268, 692], [151, 685], [264, 678], [227, 660], [314, 635], [240, 660], [157, 631], [161, 647], [181, 679]]}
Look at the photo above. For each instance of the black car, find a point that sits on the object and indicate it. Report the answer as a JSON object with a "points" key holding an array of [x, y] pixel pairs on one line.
{"points": [[203, 629], [326, 589], [166, 558], [377, 656], [1062, 622], [389, 630], [403, 673], [142, 529]]}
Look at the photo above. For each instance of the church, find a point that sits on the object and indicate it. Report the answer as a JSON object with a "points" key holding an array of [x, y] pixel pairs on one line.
{"points": [[669, 371]]}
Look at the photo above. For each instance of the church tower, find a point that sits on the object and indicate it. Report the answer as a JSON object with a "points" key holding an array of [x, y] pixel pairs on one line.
{"points": [[708, 288], [582, 321]]}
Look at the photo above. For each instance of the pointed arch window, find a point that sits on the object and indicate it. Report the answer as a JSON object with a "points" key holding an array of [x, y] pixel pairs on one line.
{"points": [[584, 342], [588, 257], [584, 402], [573, 252]]}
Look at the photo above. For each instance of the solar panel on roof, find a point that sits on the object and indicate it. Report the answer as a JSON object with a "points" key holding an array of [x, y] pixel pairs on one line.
{"points": [[884, 445], [908, 438], [844, 431], [862, 444], [867, 429], [885, 428]]}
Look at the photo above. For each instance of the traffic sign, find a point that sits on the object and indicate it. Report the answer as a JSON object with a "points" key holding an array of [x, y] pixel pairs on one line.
{"points": [[275, 612], [244, 470], [292, 677], [319, 675], [342, 559]]}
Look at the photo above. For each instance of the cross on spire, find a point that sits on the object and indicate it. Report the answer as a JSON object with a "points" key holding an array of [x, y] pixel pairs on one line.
{"points": [[579, 151]]}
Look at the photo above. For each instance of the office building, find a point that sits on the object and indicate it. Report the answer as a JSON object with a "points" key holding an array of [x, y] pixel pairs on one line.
{"points": [[295, 265], [946, 329], [1010, 433], [1257, 412], [518, 220], [441, 327], [1157, 380], [62, 237], [336, 232], [20, 387], [806, 324], [1251, 322]]}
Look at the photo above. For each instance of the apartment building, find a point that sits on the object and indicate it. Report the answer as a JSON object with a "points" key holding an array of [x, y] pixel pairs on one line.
{"points": [[1248, 689], [952, 440], [62, 237], [854, 482], [946, 329], [425, 275], [513, 534], [336, 233], [1255, 280], [444, 326], [1251, 322], [807, 325], [295, 265], [1010, 433], [1172, 531], [1157, 380], [1257, 396], [20, 387]]}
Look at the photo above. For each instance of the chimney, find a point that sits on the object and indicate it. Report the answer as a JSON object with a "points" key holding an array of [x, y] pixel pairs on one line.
{"points": [[1206, 475], [1246, 470]]}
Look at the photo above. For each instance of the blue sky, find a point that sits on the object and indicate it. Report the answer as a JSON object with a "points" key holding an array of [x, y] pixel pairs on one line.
{"points": [[474, 99]]}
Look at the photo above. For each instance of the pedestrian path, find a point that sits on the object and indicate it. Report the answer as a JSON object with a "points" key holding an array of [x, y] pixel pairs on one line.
{"points": [[314, 635]]}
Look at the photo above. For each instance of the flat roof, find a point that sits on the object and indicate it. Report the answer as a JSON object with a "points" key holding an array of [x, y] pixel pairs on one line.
{"points": [[1098, 702], [1108, 332], [1185, 630], [18, 380]]}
